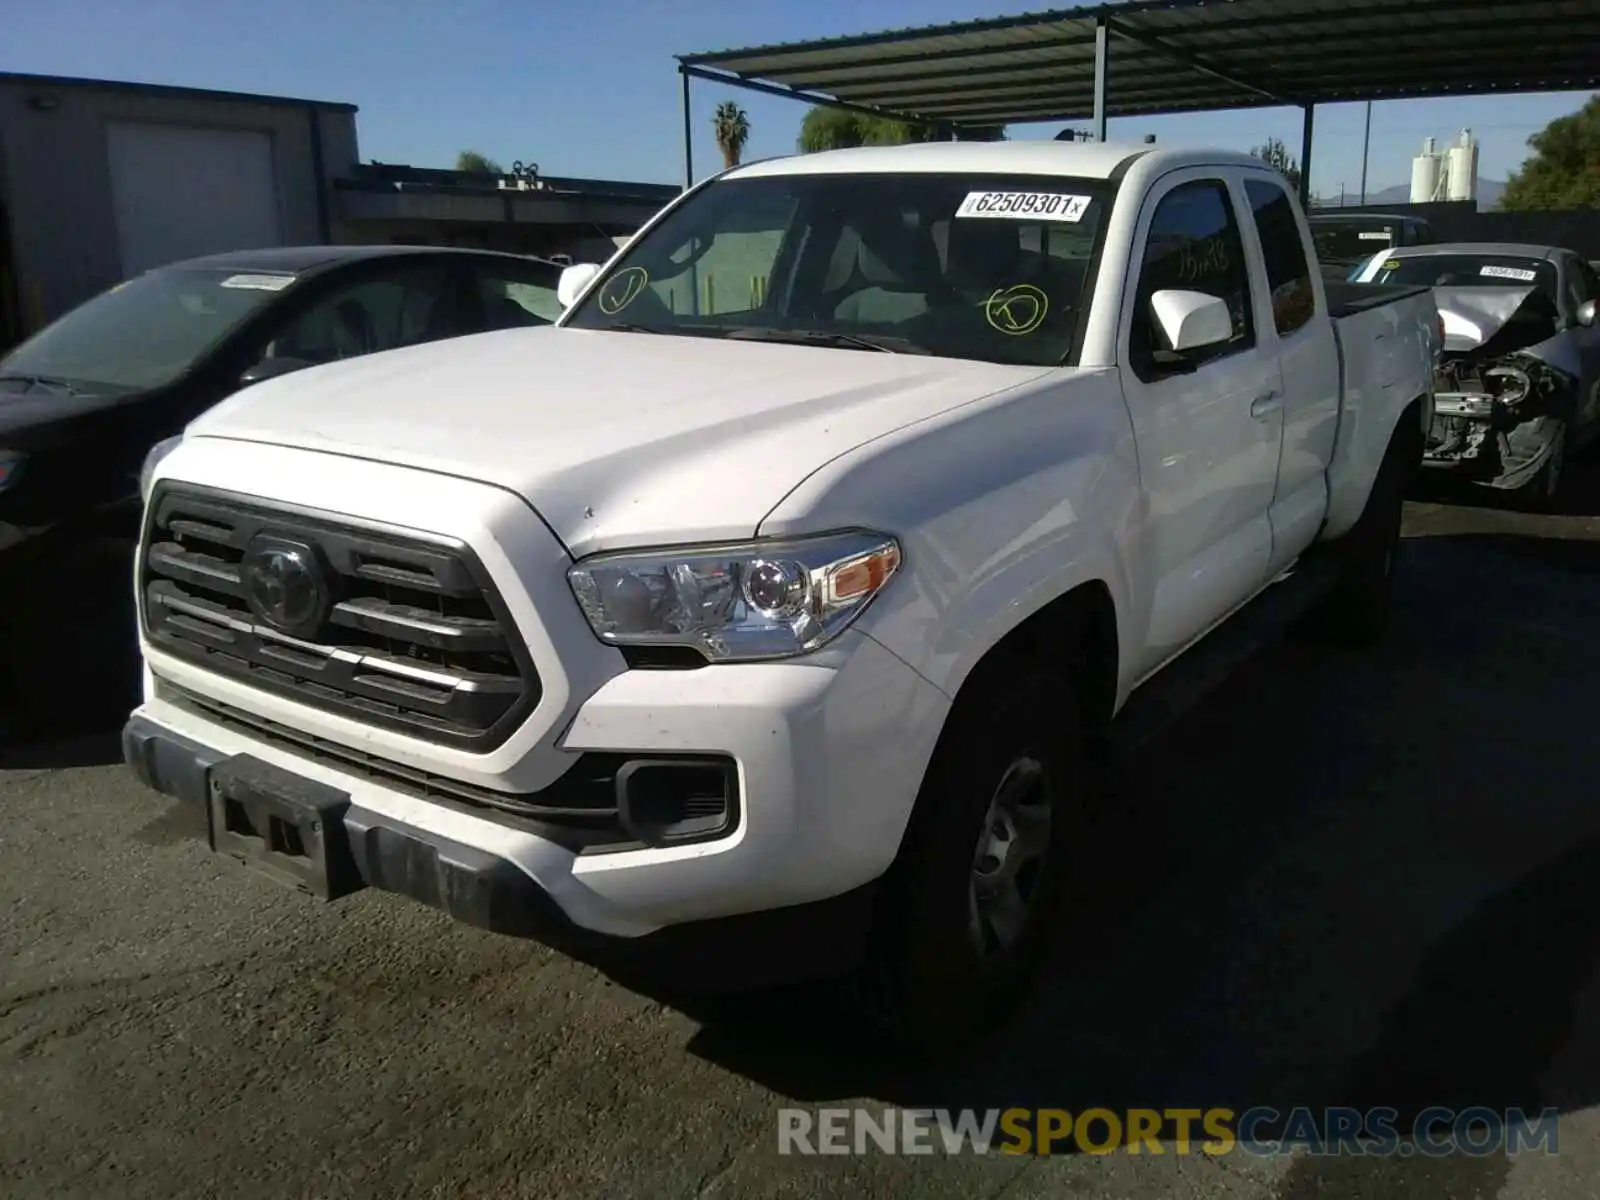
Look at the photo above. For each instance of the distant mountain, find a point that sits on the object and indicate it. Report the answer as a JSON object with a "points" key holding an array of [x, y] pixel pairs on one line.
{"points": [[1489, 192]]}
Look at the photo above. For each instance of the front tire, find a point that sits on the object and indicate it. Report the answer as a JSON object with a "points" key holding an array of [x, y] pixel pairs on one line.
{"points": [[1542, 493], [966, 913]]}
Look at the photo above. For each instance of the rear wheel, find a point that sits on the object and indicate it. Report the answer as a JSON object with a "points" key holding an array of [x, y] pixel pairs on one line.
{"points": [[966, 912], [1356, 613]]}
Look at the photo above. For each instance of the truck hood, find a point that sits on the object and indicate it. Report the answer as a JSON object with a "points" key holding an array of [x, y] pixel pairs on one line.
{"points": [[617, 439]]}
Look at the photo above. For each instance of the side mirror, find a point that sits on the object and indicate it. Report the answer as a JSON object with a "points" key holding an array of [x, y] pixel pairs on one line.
{"points": [[271, 368], [1191, 320], [1586, 314], [573, 280]]}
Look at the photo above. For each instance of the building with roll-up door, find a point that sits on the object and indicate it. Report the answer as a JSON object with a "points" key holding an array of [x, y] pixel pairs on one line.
{"points": [[101, 179]]}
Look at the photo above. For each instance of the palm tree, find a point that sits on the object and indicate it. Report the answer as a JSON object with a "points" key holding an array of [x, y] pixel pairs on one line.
{"points": [[732, 131]]}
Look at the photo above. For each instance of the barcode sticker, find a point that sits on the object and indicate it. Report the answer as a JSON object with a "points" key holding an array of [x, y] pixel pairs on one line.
{"points": [[1025, 206], [259, 283], [1520, 274]]}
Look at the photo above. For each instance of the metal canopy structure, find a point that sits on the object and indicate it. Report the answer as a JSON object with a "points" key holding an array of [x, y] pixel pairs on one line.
{"points": [[1152, 57]]}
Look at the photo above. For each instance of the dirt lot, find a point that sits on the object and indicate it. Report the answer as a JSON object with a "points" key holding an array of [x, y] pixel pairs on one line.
{"points": [[1344, 880]]}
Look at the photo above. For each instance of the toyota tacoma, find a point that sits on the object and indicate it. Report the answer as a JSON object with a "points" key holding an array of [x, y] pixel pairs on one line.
{"points": [[785, 590]]}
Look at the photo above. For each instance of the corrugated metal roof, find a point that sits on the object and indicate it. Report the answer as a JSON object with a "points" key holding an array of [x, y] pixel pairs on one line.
{"points": [[1189, 56]]}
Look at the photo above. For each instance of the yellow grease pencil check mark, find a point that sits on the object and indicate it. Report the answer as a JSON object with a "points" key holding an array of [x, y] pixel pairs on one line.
{"points": [[1016, 310]]}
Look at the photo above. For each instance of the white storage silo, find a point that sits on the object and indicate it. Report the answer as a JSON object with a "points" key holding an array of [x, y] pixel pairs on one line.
{"points": [[1424, 176], [1463, 182]]}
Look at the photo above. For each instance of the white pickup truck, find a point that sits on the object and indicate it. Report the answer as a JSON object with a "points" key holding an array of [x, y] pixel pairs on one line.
{"points": [[774, 604]]}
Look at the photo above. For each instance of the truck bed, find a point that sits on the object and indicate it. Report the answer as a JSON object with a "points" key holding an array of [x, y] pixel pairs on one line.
{"points": [[1347, 299]]}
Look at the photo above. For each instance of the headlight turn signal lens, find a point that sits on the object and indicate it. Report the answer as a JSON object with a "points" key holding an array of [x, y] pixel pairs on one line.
{"points": [[751, 601]]}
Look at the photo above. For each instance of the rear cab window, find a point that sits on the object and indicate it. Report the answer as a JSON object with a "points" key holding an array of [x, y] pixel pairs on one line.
{"points": [[1293, 299]]}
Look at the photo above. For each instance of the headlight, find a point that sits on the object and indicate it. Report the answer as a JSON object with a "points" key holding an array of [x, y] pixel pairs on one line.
{"points": [[11, 464], [734, 603], [152, 460]]}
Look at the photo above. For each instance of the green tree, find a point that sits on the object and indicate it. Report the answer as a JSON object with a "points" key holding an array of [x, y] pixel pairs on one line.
{"points": [[732, 129], [826, 128], [1276, 154], [477, 164], [1563, 172]]}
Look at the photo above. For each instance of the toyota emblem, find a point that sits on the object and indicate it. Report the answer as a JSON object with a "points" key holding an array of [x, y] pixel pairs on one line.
{"points": [[285, 586]]}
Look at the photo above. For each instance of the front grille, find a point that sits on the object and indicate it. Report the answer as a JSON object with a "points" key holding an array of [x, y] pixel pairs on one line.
{"points": [[415, 638]]}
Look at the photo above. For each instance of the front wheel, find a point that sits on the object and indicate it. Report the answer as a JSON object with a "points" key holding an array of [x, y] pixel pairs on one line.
{"points": [[967, 910], [1541, 492]]}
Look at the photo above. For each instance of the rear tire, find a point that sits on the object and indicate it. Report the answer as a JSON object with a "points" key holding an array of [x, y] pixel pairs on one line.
{"points": [[1356, 613], [966, 913]]}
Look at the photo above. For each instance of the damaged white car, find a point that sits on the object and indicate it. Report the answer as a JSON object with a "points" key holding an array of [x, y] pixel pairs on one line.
{"points": [[1518, 385]]}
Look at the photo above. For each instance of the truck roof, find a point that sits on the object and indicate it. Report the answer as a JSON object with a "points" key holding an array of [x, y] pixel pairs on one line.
{"points": [[1087, 160]]}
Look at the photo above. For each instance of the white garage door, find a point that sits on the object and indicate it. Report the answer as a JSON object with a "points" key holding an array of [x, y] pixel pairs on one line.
{"points": [[179, 192]]}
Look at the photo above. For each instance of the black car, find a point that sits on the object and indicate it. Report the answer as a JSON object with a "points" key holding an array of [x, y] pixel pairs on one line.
{"points": [[1346, 240], [83, 400]]}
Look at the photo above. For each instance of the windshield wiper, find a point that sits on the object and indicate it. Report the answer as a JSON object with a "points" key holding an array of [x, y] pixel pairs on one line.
{"points": [[823, 337], [625, 327], [41, 381]]}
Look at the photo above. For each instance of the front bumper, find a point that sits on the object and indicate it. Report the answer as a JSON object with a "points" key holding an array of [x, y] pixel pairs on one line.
{"points": [[828, 756], [360, 847], [356, 847]]}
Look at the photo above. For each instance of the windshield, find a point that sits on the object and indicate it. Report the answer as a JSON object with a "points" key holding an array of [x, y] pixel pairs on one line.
{"points": [[983, 267], [1466, 270], [1350, 242], [145, 332]]}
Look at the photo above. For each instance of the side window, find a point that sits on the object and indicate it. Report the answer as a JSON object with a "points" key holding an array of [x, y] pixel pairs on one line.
{"points": [[1580, 282], [1193, 245], [394, 310], [1590, 281], [516, 294], [1288, 272], [731, 269]]}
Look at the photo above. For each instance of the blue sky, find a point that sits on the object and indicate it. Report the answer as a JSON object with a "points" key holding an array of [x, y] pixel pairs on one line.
{"points": [[589, 88]]}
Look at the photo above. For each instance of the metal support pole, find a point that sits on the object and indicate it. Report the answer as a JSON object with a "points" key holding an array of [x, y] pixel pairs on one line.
{"points": [[1366, 145], [1310, 111], [1102, 62], [688, 135]]}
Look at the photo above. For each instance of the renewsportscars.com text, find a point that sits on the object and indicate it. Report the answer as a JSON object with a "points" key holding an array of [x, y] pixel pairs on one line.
{"points": [[1264, 1131]]}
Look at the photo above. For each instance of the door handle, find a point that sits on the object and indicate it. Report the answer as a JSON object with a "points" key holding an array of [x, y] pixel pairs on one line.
{"points": [[1266, 404]]}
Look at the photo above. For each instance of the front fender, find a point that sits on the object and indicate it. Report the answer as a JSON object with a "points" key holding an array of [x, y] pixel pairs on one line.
{"points": [[1001, 507]]}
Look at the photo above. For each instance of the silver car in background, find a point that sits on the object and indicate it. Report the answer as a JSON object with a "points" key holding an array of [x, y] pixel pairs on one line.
{"points": [[1519, 379]]}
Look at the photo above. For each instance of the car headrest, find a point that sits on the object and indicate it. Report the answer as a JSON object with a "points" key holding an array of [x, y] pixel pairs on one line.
{"points": [[985, 249]]}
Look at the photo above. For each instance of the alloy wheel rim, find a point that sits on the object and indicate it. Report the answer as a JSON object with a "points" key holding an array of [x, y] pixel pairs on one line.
{"points": [[1008, 856]]}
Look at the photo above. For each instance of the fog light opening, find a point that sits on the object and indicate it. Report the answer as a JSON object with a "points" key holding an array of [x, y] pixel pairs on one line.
{"points": [[662, 801]]}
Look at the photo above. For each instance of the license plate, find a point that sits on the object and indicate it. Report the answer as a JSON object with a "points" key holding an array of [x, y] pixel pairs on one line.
{"points": [[282, 825]]}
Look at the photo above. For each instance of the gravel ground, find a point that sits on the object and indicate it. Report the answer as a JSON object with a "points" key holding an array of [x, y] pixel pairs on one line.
{"points": [[1369, 880]]}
